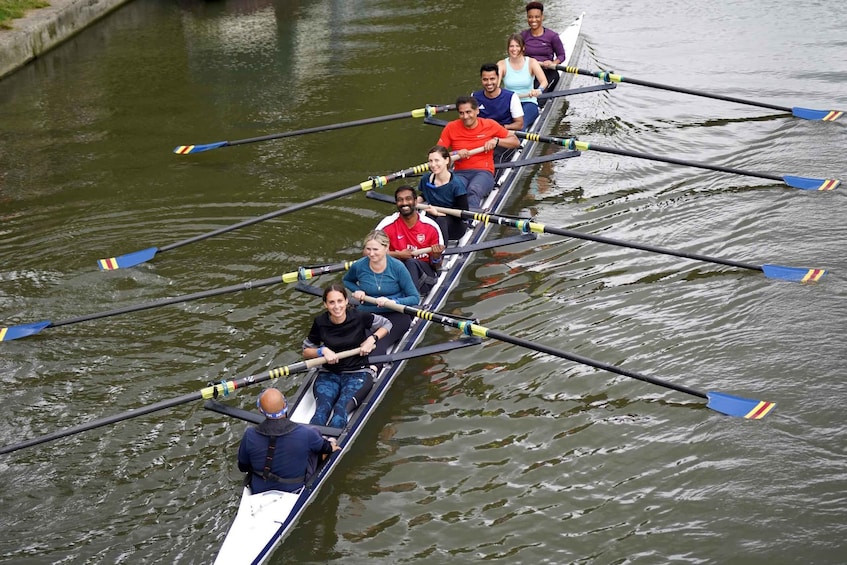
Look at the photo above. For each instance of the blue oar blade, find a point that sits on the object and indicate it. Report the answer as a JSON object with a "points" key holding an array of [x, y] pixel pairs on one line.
{"points": [[793, 274], [804, 183], [810, 114], [738, 406], [186, 149], [17, 332], [128, 260]]}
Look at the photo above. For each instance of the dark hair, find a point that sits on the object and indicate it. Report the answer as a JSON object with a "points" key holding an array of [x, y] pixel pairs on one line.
{"points": [[405, 188], [467, 100], [535, 6], [335, 287], [439, 149], [488, 67]]}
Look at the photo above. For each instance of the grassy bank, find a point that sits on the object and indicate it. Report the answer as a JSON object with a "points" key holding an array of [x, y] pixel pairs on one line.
{"points": [[11, 9]]}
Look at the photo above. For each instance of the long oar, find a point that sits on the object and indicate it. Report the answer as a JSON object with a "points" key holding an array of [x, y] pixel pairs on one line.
{"points": [[418, 113], [304, 273], [794, 274], [805, 113], [226, 388], [803, 183], [718, 401], [24, 330], [425, 112], [144, 255], [573, 144]]}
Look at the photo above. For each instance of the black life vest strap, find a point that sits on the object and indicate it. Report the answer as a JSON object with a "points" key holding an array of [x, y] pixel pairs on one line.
{"points": [[269, 459]]}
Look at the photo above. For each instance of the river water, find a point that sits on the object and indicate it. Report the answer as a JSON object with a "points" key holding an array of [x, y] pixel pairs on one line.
{"points": [[492, 454]]}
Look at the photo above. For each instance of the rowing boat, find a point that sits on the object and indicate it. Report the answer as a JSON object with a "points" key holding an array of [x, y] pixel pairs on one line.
{"points": [[264, 519]]}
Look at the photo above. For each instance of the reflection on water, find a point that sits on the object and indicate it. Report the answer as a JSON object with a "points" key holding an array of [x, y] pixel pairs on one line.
{"points": [[498, 452]]}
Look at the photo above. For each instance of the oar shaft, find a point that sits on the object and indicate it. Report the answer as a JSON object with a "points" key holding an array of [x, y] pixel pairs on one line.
{"points": [[533, 227], [169, 301], [485, 332], [469, 328], [102, 422], [294, 276], [417, 113], [685, 162], [224, 388], [612, 77], [364, 186], [573, 143], [269, 215]]}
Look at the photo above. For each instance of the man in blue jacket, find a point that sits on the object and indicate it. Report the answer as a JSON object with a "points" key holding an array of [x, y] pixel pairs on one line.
{"points": [[280, 454]]}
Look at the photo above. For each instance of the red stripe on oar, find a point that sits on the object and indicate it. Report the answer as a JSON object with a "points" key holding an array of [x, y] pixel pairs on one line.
{"points": [[183, 149], [813, 275], [830, 184], [832, 116], [760, 410], [109, 264]]}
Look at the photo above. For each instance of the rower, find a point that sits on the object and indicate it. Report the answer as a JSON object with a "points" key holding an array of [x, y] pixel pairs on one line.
{"points": [[280, 454], [498, 104], [440, 187], [408, 231], [467, 133]]}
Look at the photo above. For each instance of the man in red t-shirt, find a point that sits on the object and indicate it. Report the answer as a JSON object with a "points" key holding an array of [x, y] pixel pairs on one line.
{"points": [[408, 232], [469, 132]]}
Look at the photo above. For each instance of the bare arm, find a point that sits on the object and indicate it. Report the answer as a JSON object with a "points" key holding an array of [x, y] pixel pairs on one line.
{"points": [[538, 73]]}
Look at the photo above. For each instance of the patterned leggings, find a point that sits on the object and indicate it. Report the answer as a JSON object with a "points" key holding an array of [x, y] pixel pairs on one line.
{"points": [[332, 392]]}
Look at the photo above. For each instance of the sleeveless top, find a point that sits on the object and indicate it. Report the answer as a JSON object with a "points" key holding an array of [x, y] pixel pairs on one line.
{"points": [[519, 81]]}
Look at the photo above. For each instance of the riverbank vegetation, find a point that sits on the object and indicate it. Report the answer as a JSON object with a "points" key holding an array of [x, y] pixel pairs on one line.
{"points": [[11, 9]]}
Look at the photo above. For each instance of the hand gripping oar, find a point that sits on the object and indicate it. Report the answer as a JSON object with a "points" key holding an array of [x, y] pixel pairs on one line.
{"points": [[226, 388], [573, 143], [418, 113], [717, 401], [794, 274], [804, 113], [144, 255], [16, 332]]}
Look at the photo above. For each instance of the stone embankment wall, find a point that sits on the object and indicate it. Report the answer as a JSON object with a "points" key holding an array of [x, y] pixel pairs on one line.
{"points": [[45, 28]]}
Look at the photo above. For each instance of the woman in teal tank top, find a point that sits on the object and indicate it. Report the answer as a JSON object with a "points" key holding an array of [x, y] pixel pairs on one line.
{"points": [[518, 74]]}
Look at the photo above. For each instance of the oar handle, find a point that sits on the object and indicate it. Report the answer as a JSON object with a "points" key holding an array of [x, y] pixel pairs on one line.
{"points": [[454, 156]]}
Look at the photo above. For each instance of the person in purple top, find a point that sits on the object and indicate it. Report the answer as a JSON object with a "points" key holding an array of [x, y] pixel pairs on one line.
{"points": [[542, 44]]}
